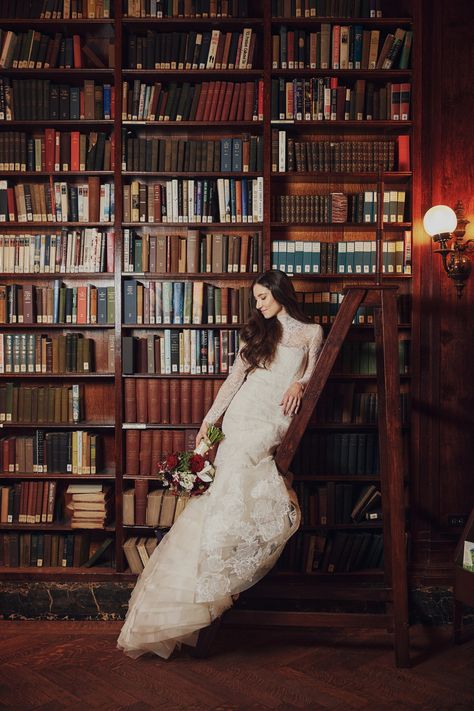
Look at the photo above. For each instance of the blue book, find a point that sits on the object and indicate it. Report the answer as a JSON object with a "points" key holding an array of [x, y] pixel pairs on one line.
{"points": [[167, 295], [358, 30], [341, 257], [233, 210], [237, 155], [245, 206], [226, 155], [350, 251], [299, 246], [107, 101], [178, 302], [198, 200]]}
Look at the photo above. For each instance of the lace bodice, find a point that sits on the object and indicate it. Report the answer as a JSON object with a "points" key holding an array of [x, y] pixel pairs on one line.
{"points": [[305, 336]]}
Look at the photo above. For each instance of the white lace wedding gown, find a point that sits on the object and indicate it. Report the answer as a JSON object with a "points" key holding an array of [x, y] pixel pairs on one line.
{"points": [[228, 538]]}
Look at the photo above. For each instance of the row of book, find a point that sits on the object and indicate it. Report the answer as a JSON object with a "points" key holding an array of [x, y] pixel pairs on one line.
{"points": [[213, 49], [204, 101], [195, 351], [335, 156], [55, 151], [238, 200], [72, 452], [41, 403], [325, 99], [151, 508], [34, 353], [354, 208], [193, 253], [25, 303], [43, 100], [327, 8], [242, 153], [350, 404], [337, 453], [35, 50], [355, 257], [28, 502], [322, 307], [88, 505], [144, 448], [359, 358], [336, 503], [57, 202], [334, 552], [186, 8], [186, 302], [168, 401], [341, 47], [45, 550], [68, 251]]}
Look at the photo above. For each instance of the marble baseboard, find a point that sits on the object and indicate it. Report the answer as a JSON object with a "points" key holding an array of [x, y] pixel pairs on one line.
{"points": [[109, 601]]}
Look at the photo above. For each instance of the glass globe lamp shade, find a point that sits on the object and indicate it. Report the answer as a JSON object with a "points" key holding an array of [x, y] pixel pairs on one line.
{"points": [[439, 220]]}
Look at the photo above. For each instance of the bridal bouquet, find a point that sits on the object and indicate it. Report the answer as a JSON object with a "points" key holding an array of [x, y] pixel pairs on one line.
{"points": [[189, 473]]}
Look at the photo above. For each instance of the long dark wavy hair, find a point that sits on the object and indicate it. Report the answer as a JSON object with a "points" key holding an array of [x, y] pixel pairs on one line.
{"points": [[261, 335]]}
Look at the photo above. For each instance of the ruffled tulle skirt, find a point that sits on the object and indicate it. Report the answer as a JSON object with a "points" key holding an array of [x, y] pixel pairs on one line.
{"points": [[223, 543]]}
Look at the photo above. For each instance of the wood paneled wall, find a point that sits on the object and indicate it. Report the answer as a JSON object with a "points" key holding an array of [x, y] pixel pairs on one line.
{"points": [[443, 392]]}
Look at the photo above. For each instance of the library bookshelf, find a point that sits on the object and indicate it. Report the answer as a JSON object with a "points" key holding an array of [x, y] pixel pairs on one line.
{"points": [[281, 162]]}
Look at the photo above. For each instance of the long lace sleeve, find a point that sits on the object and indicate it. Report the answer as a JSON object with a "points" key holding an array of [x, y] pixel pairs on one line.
{"points": [[228, 389], [314, 349]]}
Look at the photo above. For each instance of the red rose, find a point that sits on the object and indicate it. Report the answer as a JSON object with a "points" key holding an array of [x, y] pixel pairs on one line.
{"points": [[196, 463], [171, 461]]}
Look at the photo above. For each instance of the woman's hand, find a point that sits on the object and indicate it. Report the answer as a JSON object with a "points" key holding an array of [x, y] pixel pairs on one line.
{"points": [[202, 432], [292, 399]]}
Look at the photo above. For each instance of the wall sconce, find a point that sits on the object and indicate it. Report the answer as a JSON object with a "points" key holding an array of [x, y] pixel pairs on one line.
{"points": [[445, 225]]}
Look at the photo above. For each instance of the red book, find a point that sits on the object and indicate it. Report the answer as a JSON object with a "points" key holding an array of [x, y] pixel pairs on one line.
{"points": [[76, 41], [403, 153], [197, 394], [75, 143], [405, 94], [395, 102], [260, 99], [50, 142], [215, 98], [11, 205], [220, 102], [141, 492], [241, 103], [233, 112], [249, 97], [212, 91], [202, 101], [227, 102], [186, 401], [82, 304], [156, 447]]}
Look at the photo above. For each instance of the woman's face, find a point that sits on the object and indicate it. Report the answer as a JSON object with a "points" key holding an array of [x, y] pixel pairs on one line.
{"points": [[265, 301]]}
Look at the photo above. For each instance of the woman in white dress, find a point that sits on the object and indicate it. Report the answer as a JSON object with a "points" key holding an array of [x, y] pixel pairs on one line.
{"points": [[229, 537]]}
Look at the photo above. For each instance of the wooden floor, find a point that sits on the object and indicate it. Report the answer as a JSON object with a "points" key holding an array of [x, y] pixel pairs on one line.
{"points": [[75, 665]]}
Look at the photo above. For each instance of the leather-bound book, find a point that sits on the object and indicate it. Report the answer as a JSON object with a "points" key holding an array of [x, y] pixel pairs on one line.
{"points": [[165, 401], [145, 454], [175, 404], [94, 198], [178, 440], [141, 492], [154, 400], [185, 402], [197, 395], [130, 400], [156, 447], [132, 446], [141, 399]]}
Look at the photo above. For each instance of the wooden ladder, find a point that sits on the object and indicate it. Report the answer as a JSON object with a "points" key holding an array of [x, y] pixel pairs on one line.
{"points": [[394, 593]]}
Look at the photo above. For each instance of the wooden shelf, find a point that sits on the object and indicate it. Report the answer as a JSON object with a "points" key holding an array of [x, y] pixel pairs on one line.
{"points": [[349, 226], [51, 475], [335, 176], [376, 74], [216, 125], [59, 425], [202, 276], [56, 376], [62, 276], [58, 123], [234, 226], [179, 22], [59, 173], [186, 326], [73, 73], [198, 73], [97, 573], [44, 527], [196, 174], [369, 21], [46, 326]]}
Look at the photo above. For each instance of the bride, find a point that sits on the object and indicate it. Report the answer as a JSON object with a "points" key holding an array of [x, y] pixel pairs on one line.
{"points": [[232, 535]]}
